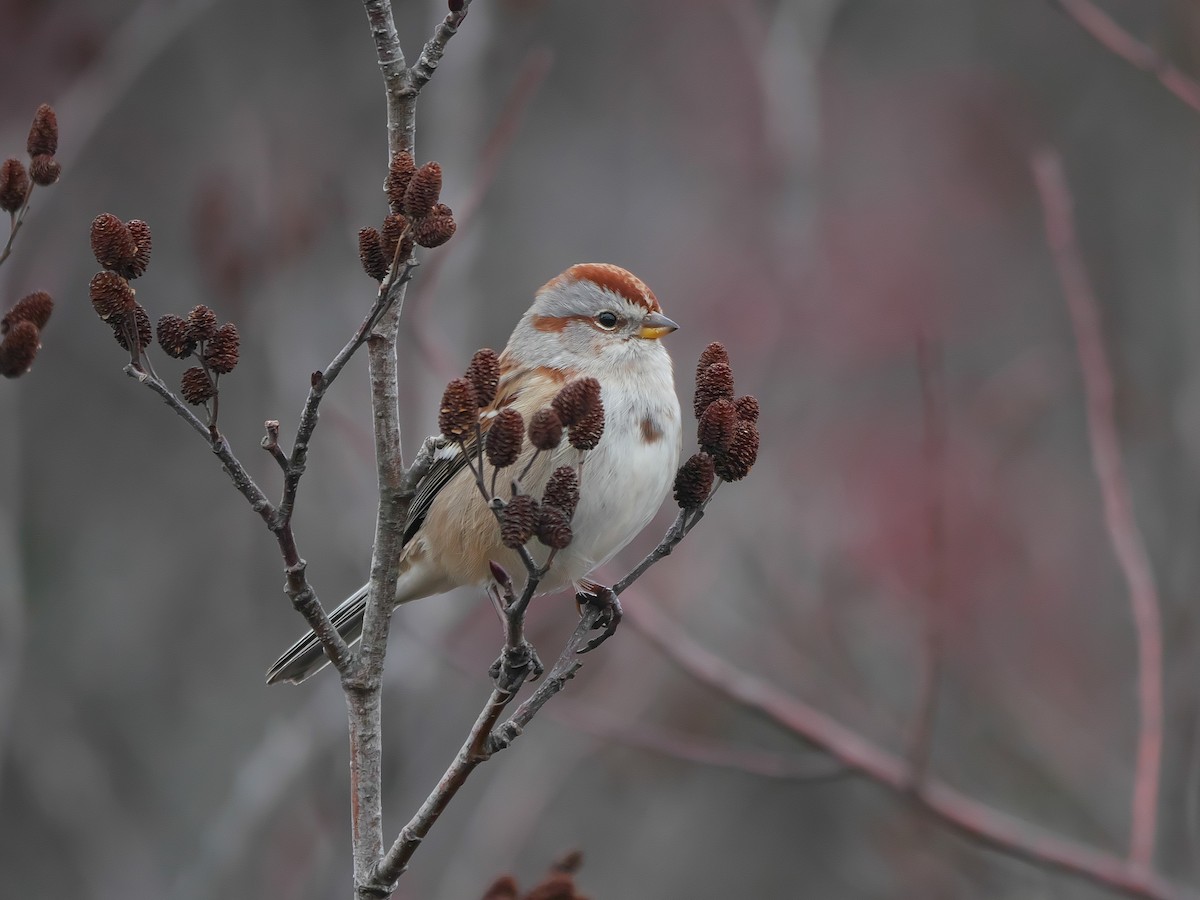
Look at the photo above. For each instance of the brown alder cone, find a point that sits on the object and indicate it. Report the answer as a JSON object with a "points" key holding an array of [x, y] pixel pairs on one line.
{"points": [[562, 490], [458, 415], [735, 463], [747, 408], [394, 228], [370, 253], [586, 433], [221, 350], [44, 170], [43, 133], [712, 383], [35, 308], [113, 244], [14, 185], [196, 386], [174, 336], [139, 320], [202, 323], [484, 373], [518, 521], [19, 348], [694, 480], [715, 430], [576, 400], [141, 259], [423, 190], [433, 231], [504, 438], [553, 529], [400, 173], [545, 429], [710, 355], [111, 295]]}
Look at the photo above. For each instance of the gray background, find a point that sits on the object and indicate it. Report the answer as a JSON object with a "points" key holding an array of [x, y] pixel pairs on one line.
{"points": [[813, 183]]}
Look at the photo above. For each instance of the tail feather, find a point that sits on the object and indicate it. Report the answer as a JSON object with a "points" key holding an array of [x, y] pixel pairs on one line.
{"points": [[306, 657]]}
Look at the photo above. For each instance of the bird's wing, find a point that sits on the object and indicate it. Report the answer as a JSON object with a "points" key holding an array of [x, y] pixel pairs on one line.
{"points": [[451, 459]]}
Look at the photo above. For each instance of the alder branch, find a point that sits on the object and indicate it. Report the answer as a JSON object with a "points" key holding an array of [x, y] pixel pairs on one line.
{"points": [[16, 220], [297, 587], [487, 737], [947, 805], [1101, 26], [390, 292], [364, 685], [1126, 538]]}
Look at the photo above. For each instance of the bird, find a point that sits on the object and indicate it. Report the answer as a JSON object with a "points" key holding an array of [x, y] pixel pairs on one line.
{"points": [[594, 320]]}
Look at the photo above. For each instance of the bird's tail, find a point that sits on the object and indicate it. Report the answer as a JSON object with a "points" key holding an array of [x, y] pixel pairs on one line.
{"points": [[307, 657]]}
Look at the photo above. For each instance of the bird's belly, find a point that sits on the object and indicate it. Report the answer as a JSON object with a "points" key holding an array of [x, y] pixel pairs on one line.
{"points": [[619, 494]]}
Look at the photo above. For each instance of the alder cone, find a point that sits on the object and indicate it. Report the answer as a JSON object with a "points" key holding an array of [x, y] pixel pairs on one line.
{"points": [[694, 481], [518, 521], [196, 386], [14, 185], [19, 348], [35, 308], [458, 413], [504, 438]]}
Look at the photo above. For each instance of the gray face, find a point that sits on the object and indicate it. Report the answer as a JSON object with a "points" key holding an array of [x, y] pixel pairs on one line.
{"points": [[583, 326]]}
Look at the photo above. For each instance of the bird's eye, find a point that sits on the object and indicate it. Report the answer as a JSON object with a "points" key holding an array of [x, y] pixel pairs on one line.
{"points": [[607, 319]]}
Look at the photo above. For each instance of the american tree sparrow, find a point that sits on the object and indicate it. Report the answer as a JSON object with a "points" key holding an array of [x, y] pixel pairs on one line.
{"points": [[594, 320]]}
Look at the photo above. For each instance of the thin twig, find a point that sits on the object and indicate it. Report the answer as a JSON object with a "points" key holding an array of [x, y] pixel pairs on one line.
{"points": [[390, 292], [431, 53], [501, 736], [1101, 26], [303, 597], [1119, 518], [969, 817], [16, 220]]}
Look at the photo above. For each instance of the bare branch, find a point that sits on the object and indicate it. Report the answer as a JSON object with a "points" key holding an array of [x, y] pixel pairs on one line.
{"points": [[951, 807], [1119, 517], [301, 593], [1120, 42], [431, 53], [475, 749]]}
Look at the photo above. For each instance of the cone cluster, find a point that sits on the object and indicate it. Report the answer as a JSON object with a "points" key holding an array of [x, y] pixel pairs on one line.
{"points": [[123, 251], [21, 328], [726, 429], [16, 178], [576, 413], [417, 218]]}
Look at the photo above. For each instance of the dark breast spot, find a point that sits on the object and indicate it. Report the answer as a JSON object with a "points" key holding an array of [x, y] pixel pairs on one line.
{"points": [[651, 433]]}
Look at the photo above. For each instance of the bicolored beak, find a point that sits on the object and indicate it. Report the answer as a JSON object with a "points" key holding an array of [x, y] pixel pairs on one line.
{"points": [[656, 325]]}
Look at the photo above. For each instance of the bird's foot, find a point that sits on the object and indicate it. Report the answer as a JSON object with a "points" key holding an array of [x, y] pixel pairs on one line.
{"points": [[608, 616], [516, 665]]}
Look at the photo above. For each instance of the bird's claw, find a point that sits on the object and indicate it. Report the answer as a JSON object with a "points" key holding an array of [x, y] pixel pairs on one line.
{"points": [[515, 666], [608, 617]]}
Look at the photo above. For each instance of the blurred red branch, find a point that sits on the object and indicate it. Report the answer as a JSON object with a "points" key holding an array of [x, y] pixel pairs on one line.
{"points": [[948, 805], [1119, 517], [1116, 39]]}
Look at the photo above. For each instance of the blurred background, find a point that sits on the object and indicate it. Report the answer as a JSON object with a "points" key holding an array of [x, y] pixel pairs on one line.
{"points": [[817, 183]]}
